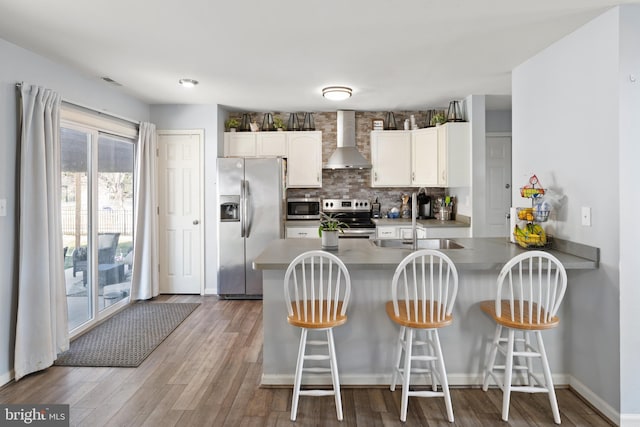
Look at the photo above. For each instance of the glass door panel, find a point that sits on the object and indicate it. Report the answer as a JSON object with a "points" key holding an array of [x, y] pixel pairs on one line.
{"points": [[74, 155], [114, 219]]}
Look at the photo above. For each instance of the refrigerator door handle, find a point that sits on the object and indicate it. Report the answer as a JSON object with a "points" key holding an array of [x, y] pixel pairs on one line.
{"points": [[243, 199], [247, 209]]}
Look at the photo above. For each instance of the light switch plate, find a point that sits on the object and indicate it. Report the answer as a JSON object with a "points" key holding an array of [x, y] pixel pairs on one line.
{"points": [[3, 207], [586, 216]]}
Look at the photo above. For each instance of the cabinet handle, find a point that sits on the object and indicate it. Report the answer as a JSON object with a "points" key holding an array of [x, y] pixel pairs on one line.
{"points": [[375, 176], [413, 176]]}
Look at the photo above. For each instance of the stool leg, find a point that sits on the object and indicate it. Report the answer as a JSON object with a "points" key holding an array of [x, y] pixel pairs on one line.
{"points": [[443, 376], [548, 380], [492, 357], [334, 373], [432, 363], [407, 374], [298, 377], [396, 366], [527, 347], [508, 374]]}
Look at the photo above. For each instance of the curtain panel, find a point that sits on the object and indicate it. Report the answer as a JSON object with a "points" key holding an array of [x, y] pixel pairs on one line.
{"points": [[41, 326], [144, 282]]}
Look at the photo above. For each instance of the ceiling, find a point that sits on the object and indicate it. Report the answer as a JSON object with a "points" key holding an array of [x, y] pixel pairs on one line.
{"points": [[277, 55]]}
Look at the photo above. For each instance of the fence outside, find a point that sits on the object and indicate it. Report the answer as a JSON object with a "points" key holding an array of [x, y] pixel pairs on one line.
{"points": [[109, 221]]}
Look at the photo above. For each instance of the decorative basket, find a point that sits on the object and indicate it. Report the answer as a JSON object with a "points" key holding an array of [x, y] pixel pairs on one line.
{"points": [[532, 241], [529, 193]]}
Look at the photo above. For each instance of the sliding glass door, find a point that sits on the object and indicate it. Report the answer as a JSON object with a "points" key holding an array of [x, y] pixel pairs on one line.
{"points": [[97, 222]]}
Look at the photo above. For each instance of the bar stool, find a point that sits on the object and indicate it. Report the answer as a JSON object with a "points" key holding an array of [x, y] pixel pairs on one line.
{"points": [[423, 290], [530, 289], [317, 286]]}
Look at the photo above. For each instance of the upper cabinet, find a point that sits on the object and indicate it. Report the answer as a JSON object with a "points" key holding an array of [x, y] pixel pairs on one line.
{"points": [[304, 159], [431, 157], [454, 155], [255, 144], [239, 144], [424, 157], [390, 158], [302, 149]]}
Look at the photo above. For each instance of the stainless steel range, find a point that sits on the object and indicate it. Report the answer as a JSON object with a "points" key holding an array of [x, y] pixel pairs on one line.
{"points": [[356, 213]]}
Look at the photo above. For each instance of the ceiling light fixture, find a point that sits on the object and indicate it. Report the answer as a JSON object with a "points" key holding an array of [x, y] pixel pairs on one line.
{"points": [[188, 82], [336, 93]]}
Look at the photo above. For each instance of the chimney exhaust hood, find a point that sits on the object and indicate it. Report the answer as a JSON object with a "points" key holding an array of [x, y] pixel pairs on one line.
{"points": [[346, 155]]}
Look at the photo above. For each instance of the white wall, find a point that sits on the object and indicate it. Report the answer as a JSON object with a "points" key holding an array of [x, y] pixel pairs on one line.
{"points": [[629, 196], [567, 130], [21, 65], [498, 120], [210, 118]]}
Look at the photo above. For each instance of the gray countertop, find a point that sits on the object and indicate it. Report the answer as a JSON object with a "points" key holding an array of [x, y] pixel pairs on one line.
{"points": [[477, 254]]}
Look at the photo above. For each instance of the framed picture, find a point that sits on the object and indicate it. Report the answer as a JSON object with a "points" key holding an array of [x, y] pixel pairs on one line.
{"points": [[378, 124]]}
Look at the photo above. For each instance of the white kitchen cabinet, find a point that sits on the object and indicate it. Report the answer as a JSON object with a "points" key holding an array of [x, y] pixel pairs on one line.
{"points": [[448, 232], [424, 157], [299, 232], [272, 144], [304, 159], [454, 155], [390, 158], [387, 232], [240, 144], [406, 233]]}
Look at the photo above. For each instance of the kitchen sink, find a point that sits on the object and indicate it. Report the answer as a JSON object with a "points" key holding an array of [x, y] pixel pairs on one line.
{"points": [[422, 244]]}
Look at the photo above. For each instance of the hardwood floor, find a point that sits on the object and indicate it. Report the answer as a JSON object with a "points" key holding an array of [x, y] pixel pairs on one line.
{"points": [[207, 373]]}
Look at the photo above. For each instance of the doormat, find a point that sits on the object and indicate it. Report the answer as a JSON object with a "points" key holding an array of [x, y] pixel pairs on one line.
{"points": [[127, 338]]}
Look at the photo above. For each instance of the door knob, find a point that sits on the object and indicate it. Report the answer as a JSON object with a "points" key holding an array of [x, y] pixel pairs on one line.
{"points": [[507, 186], [196, 222]]}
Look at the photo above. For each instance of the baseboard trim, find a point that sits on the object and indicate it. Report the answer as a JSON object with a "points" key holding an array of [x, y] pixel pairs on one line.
{"points": [[629, 420], [598, 403], [455, 380], [6, 378]]}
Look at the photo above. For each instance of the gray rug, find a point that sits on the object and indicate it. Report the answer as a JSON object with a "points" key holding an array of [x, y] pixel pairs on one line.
{"points": [[127, 338]]}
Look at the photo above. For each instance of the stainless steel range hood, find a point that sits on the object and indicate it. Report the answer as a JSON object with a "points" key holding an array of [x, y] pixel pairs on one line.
{"points": [[347, 155]]}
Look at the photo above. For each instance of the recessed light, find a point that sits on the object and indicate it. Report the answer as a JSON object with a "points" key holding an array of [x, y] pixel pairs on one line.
{"points": [[187, 82], [336, 93]]}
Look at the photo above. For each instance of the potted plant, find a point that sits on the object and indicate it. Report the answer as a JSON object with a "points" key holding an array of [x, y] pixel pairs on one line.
{"points": [[278, 123], [232, 124], [438, 119], [328, 230]]}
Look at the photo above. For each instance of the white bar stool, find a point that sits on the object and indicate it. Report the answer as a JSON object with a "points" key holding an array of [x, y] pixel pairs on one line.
{"points": [[317, 286], [530, 289], [423, 290]]}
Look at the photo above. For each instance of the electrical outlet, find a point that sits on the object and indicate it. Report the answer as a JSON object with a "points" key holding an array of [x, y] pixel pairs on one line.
{"points": [[586, 216], [3, 207]]}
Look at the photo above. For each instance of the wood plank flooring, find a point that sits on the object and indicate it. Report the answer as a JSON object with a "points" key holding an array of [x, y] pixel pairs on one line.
{"points": [[207, 373]]}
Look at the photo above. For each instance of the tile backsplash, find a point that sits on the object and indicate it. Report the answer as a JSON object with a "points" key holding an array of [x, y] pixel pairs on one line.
{"points": [[347, 183]]}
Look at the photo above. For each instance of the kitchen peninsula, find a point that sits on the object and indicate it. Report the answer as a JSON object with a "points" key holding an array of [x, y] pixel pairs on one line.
{"points": [[364, 345]]}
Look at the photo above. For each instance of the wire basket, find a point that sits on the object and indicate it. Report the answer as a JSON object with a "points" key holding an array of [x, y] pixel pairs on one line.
{"points": [[532, 241], [530, 193], [532, 214]]}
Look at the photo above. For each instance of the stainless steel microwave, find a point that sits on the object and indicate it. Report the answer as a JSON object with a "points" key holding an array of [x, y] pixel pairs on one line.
{"points": [[303, 208]]}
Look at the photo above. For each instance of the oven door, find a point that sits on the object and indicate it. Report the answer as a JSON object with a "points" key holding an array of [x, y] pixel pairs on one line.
{"points": [[357, 233]]}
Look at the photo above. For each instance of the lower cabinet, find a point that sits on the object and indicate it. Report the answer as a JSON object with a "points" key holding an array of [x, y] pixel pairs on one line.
{"points": [[302, 233]]}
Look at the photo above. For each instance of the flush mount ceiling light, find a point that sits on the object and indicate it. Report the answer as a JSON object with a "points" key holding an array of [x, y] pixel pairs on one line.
{"points": [[187, 82], [336, 93]]}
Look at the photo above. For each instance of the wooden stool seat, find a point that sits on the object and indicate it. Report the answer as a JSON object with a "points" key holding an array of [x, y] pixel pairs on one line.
{"points": [[518, 322], [405, 319], [321, 318]]}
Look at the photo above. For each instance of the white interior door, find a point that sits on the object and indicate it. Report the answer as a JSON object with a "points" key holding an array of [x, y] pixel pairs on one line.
{"points": [[180, 201], [498, 184]]}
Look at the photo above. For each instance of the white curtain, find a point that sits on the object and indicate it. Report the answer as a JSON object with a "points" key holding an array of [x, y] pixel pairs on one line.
{"points": [[41, 327], [144, 283]]}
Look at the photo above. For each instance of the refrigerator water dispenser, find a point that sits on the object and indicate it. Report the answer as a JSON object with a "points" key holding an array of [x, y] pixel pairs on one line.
{"points": [[229, 208]]}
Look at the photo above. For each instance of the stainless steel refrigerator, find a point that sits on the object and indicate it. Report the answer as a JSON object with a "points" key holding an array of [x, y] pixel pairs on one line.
{"points": [[250, 202]]}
